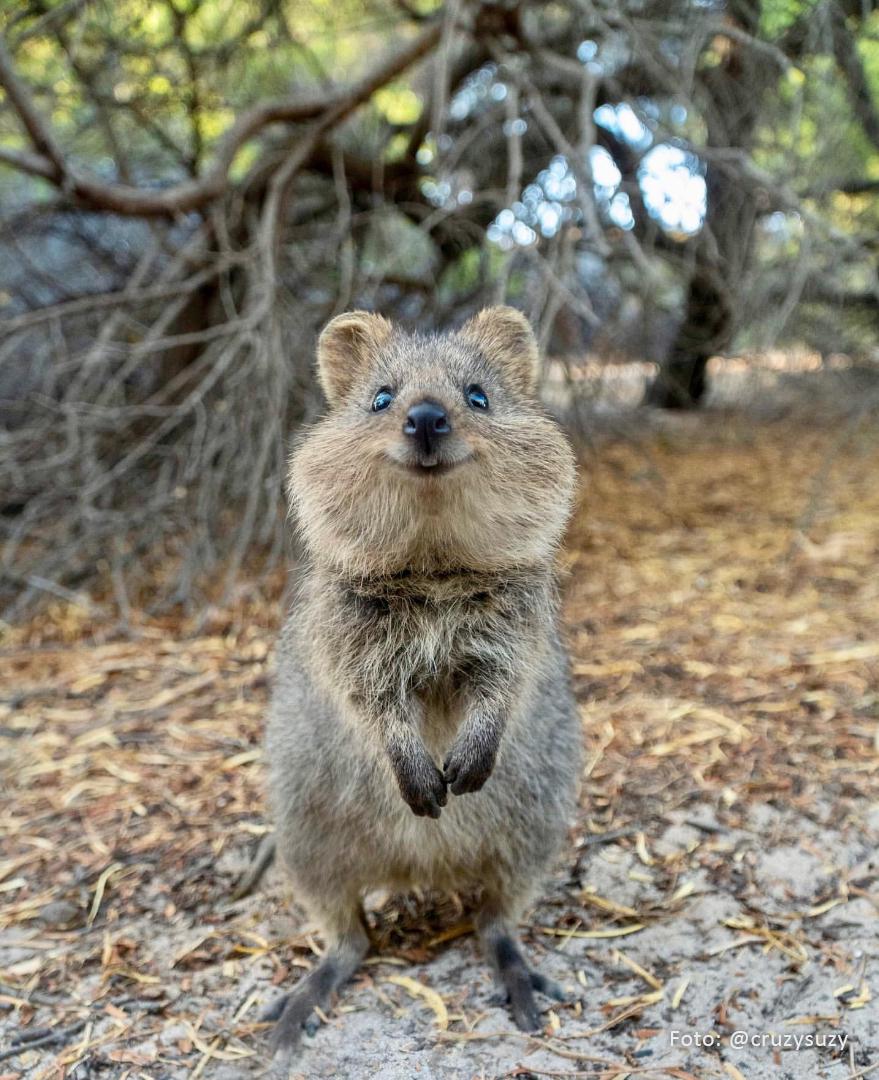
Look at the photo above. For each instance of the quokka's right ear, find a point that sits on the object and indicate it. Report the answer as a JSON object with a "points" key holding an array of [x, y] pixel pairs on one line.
{"points": [[346, 346]]}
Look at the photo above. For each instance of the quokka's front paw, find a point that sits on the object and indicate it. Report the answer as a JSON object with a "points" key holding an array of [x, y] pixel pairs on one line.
{"points": [[468, 765], [422, 786]]}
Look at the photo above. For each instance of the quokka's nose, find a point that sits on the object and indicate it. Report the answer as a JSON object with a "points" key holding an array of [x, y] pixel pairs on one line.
{"points": [[427, 422]]}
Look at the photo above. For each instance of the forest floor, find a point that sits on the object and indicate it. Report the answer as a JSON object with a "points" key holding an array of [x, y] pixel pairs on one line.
{"points": [[723, 877]]}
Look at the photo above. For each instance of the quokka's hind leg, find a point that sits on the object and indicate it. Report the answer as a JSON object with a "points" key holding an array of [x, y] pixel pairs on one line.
{"points": [[346, 945], [517, 979]]}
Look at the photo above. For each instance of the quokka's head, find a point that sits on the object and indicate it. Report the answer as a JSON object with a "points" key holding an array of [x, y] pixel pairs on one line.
{"points": [[434, 452]]}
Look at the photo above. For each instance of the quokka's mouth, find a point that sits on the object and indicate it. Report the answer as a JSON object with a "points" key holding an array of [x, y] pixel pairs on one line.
{"points": [[441, 468], [429, 469]]}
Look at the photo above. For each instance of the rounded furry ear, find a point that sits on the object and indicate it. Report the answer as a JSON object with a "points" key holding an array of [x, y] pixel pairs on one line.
{"points": [[346, 346], [505, 338]]}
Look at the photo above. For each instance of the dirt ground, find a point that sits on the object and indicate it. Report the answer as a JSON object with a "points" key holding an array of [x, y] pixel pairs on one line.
{"points": [[716, 910]]}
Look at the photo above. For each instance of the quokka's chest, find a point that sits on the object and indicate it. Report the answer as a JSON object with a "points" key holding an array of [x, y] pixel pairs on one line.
{"points": [[431, 637], [401, 639]]}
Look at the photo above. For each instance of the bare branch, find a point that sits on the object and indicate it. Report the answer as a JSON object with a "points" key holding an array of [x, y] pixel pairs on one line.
{"points": [[32, 164], [194, 194], [854, 186], [22, 101], [857, 85]]}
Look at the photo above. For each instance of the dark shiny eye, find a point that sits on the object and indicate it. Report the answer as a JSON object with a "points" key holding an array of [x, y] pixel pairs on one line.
{"points": [[477, 396], [382, 399]]}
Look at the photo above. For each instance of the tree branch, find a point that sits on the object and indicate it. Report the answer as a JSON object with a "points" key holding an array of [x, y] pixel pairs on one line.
{"points": [[32, 164], [855, 186], [189, 195], [845, 52], [21, 100]]}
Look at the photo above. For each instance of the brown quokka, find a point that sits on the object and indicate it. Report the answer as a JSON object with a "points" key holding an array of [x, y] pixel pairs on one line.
{"points": [[421, 656]]}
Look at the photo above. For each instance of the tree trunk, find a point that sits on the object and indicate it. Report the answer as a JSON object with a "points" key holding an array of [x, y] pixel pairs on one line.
{"points": [[733, 90], [706, 328]]}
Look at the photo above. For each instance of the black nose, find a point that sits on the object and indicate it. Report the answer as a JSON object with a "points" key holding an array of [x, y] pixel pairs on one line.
{"points": [[427, 423]]}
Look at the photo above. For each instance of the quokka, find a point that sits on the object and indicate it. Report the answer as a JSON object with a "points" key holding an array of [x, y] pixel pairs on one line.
{"points": [[423, 731]]}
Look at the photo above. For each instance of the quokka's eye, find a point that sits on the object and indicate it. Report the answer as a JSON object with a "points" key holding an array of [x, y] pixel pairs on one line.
{"points": [[382, 399], [477, 397]]}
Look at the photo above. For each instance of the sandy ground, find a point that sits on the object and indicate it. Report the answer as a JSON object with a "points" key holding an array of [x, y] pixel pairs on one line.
{"points": [[708, 980], [721, 886]]}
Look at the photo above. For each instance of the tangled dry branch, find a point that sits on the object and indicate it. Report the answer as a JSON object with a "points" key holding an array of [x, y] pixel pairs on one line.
{"points": [[148, 418]]}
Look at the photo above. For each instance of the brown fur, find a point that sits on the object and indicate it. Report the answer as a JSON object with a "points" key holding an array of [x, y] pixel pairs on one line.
{"points": [[421, 656]]}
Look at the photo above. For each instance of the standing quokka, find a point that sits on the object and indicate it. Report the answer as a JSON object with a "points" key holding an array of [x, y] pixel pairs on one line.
{"points": [[421, 656]]}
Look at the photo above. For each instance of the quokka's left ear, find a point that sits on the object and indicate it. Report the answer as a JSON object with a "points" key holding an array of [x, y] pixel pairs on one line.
{"points": [[506, 339], [348, 345]]}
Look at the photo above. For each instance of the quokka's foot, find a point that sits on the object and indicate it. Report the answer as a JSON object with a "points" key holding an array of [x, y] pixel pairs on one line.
{"points": [[294, 1014], [518, 982], [546, 986], [520, 1000], [540, 984]]}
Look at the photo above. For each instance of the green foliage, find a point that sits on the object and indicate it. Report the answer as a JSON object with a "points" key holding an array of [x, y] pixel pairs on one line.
{"points": [[396, 248], [777, 16], [477, 269], [163, 79], [398, 104]]}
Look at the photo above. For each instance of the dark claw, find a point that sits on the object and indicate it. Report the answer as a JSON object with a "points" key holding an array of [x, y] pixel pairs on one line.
{"points": [[425, 796], [522, 1006], [468, 784], [544, 985], [297, 1018], [526, 1016], [539, 983]]}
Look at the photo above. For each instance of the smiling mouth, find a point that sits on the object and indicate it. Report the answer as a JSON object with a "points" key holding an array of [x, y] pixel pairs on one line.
{"points": [[427, 469], [441, 468]]}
